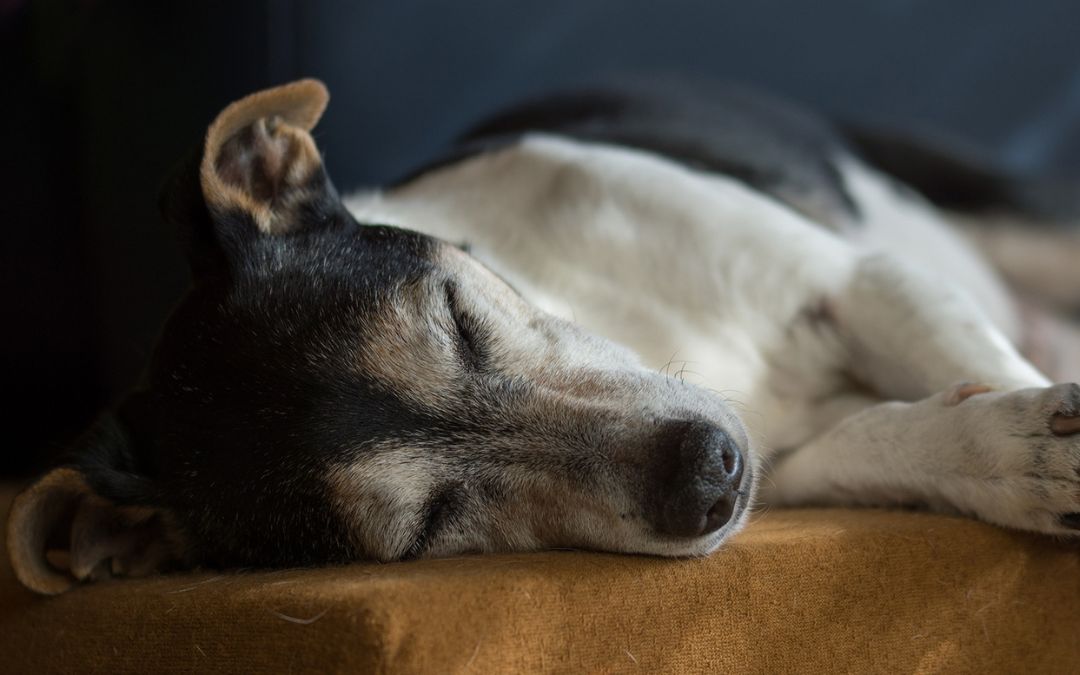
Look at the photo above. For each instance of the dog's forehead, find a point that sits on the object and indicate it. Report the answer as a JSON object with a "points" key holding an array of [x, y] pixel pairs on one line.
{"points": [[290, 319], [372, 258], [311, 307]]}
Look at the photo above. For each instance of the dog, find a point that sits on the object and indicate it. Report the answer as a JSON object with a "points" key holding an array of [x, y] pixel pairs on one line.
{"points": [[609, 320]]}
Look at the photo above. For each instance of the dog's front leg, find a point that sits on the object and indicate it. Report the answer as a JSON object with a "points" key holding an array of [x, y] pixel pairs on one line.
{"points": [[1006, 450], [1009, 458], [909, 335]]}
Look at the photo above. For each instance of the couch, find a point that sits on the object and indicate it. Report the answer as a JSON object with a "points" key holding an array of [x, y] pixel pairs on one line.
{"points": [[806, 590]]}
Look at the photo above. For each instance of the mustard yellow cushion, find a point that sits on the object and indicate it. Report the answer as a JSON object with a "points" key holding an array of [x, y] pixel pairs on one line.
{"points": [[799, 591]]}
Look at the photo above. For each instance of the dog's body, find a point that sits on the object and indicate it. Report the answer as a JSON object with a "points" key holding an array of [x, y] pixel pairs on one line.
{"points": [[725, 251], [788, 302]]}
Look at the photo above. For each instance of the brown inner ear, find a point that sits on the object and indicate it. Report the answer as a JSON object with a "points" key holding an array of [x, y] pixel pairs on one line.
{"points": [[259, 156], [254, 159], [36, 515], [60, 533], [107, 540], [270, 165]]}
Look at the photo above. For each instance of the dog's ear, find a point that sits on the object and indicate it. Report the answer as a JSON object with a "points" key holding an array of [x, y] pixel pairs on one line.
{"points": [[81, 523], [259, 173], [259, 158]]}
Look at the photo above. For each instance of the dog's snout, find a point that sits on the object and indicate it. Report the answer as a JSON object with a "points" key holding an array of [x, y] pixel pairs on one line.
{"points": [[702, 472]]}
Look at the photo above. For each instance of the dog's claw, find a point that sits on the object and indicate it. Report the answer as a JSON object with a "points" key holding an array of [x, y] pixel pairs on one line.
{"points": [[1071, 521], [1063, 424]]}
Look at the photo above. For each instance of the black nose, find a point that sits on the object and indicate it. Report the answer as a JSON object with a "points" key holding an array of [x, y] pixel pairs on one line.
{"points": [[700, 471]]}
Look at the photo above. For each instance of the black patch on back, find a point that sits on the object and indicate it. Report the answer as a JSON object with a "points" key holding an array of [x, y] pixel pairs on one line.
{"points": [[961, 178], [771, 146]]}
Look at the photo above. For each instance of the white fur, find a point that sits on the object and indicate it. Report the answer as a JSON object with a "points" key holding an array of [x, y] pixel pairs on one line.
{"points": [[902, 224], [594, 234], [991, 455], [761, 304]]}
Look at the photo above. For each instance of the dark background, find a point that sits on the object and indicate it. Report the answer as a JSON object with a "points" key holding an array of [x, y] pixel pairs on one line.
{"points": [[100, 98]]}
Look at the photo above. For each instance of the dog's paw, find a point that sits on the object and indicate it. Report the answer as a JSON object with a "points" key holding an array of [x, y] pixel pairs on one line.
{"points": [[1021, 456]]}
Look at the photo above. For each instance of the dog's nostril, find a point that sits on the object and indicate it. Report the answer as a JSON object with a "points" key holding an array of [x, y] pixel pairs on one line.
{"points": [[700, 476], [719, 514], [731, 459]]}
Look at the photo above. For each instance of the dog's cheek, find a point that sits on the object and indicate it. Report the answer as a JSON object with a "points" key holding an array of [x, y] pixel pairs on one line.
{"points": [[378, 497]]}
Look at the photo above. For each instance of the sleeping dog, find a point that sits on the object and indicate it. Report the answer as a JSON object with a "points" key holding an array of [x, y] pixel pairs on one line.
{"points": [[608, 320]]}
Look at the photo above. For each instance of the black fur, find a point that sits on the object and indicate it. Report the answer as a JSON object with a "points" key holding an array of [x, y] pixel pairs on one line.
{"points": [[249, 396], [961, 179], [105, 456], [773, 146], [768, 144]]}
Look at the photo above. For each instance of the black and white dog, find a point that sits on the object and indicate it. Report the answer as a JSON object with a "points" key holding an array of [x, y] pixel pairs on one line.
{"points": [[607, 321]]}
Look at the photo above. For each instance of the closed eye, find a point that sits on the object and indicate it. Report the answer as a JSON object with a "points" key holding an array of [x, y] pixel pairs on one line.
{"points": [[467, 332]]}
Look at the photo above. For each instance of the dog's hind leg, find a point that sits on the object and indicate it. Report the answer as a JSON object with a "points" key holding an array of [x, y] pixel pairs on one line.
{"points": [[1040, 260], [1052, 342], [1006, 449], [1026, 224]]}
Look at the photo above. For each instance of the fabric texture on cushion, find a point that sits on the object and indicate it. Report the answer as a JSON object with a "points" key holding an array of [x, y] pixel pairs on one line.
{"points": [[826, 590]]}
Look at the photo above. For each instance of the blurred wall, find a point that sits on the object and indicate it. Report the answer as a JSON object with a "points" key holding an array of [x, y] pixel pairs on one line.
{"points": [[101, 97]]}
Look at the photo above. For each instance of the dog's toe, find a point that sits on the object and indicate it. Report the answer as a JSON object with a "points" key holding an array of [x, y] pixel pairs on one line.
{"points": [[1065, 425], [1034, 471], [1065, 420]]}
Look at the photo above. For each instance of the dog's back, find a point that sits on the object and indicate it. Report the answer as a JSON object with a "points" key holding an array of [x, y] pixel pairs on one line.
{"points": [[928, 202]]}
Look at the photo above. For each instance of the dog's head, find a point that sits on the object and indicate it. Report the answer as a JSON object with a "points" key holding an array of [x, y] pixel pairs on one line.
{"points": [[330, 391]]}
